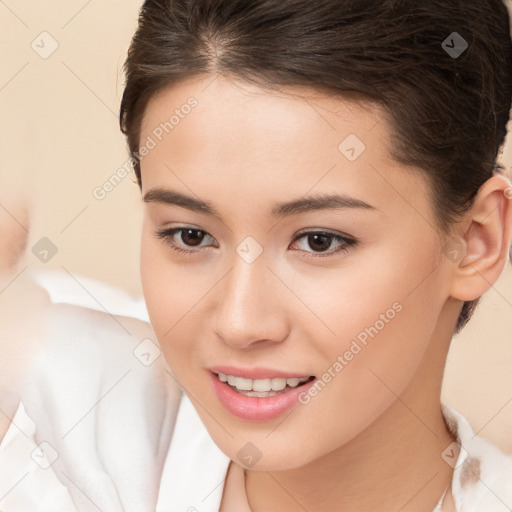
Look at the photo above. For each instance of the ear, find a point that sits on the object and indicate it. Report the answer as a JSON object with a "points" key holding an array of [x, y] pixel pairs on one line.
{"points": [[486, 236]]}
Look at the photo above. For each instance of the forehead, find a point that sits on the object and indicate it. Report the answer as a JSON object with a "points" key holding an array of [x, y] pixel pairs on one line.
{"points": [[263, 113], [243, 139]]}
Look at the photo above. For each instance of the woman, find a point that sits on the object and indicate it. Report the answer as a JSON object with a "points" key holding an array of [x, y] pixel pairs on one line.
{"points": [[323, 210]]}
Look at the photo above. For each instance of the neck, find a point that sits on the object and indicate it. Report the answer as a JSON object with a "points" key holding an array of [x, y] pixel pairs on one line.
{"points": [[395, 464]]}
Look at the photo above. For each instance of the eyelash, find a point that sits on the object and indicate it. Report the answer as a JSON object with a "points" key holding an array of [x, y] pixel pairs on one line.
{"points": [[347, 242]]}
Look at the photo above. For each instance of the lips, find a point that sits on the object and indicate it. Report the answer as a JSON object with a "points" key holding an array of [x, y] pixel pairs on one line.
{"points": [[258, 394]]}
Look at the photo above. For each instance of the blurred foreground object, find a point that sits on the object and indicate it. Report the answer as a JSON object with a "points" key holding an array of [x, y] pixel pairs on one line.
{"points": [[80, 358]]}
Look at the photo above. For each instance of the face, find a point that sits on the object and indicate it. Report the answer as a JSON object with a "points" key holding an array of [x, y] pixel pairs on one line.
{"points": [[285, 251]]}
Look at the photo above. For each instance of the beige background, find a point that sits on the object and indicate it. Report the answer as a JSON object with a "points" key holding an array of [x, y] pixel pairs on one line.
{"points": [[59, 137]]}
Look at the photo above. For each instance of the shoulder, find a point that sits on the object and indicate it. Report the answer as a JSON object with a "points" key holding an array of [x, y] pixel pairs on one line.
{"points": [[482, 477], [95, 332], [95, 348]]}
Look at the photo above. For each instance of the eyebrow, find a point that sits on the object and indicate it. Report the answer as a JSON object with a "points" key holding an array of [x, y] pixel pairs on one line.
{"points": [[279, 210]]}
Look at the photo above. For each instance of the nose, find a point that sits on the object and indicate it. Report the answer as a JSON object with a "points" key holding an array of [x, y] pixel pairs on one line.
{"points": [[250, 306]]}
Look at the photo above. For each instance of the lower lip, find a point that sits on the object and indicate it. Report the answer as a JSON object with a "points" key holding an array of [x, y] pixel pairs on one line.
{"points": [[253, 408]]}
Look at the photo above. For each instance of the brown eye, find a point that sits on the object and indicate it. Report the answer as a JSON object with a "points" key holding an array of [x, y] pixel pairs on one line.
{"points": [[320, 242], [192, 237], [188, 237]]}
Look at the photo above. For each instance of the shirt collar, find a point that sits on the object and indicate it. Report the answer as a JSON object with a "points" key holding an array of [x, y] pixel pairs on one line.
{"points": [[482, 473], [195, 467]]}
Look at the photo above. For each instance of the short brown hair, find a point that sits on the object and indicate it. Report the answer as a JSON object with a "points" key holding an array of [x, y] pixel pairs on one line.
{"points": [[441, 70]]}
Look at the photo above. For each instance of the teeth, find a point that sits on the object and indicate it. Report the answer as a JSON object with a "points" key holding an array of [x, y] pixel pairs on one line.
{"points": [[244, 384], [278, 384], [261, 387]]}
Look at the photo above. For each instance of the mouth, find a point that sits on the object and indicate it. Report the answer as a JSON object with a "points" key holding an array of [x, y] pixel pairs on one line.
{"points": [[262, 388], [266, 396]]}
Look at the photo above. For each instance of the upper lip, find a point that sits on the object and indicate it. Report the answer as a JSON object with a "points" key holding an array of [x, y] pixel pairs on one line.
{"points": [[256, 373]]}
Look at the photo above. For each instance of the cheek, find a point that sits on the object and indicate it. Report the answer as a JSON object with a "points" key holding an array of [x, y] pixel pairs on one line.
{"points": [[173, 294], [383, 314], [360, 298], [163, 289]]}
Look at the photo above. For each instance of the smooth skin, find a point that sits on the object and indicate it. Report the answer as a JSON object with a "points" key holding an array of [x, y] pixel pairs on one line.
{"points": [[372, 439]]}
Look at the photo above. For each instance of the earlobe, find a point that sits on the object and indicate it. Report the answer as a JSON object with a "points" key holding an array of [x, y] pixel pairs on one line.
{"points": [[486, 240]]}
